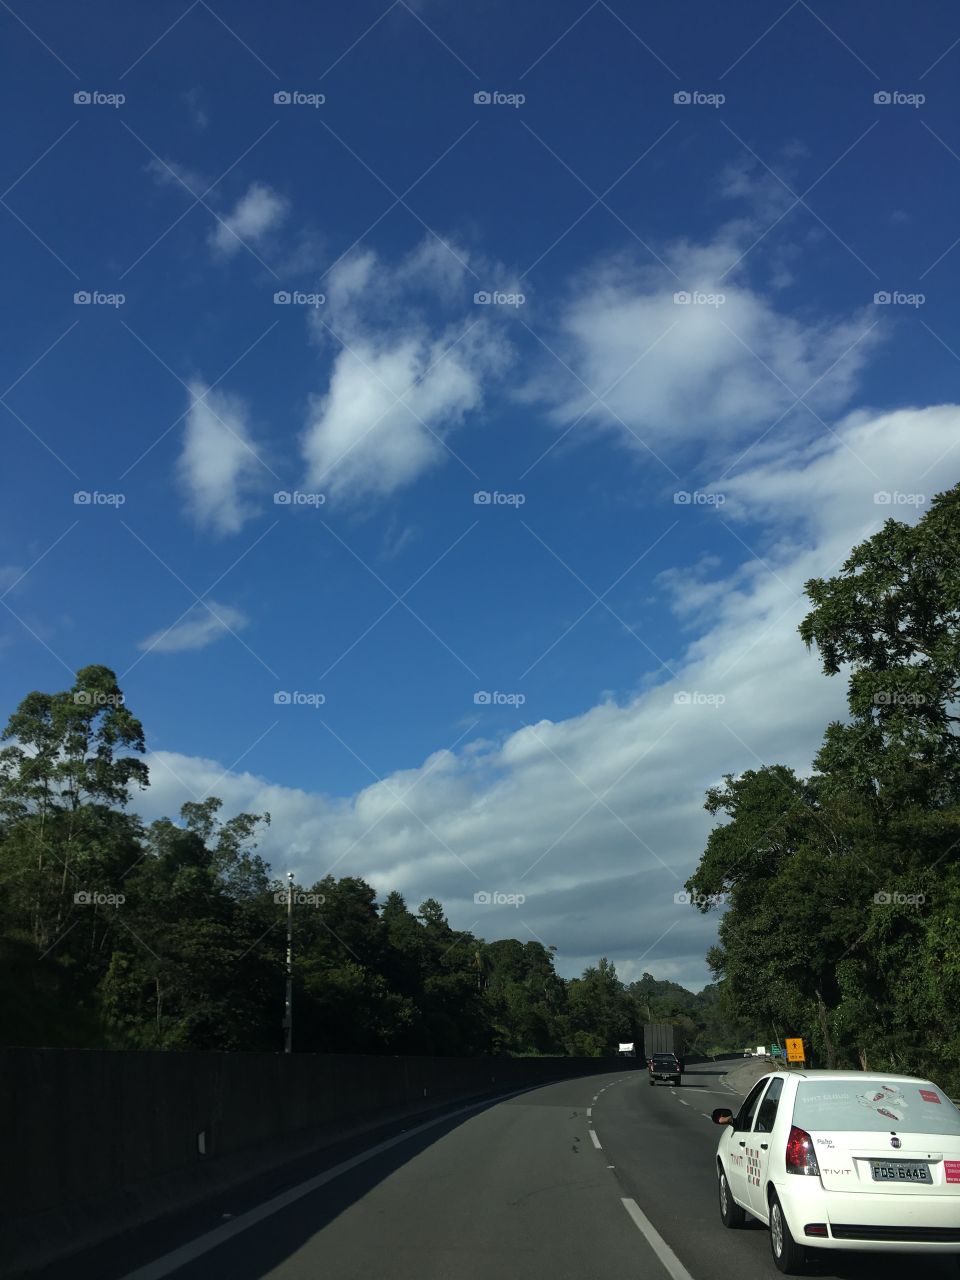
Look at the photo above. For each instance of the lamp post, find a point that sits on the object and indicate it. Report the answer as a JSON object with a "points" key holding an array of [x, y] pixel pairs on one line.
{"points": [[288, 1001]]}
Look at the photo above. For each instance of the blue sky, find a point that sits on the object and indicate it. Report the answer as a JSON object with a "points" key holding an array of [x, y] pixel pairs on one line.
{"points": [[783, 197]]}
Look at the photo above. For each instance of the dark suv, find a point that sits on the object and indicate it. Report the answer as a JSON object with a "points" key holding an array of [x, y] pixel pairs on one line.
{"points": [[665, 1066]]}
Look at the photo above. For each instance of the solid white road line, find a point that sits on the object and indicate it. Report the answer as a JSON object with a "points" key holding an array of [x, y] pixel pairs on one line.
{"points": [[672, 1264], [596, 1140], [589, 1112]]}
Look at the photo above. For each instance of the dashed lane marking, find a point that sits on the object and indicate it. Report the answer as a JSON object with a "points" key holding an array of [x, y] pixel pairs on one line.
{"points": [[596, 1140]]}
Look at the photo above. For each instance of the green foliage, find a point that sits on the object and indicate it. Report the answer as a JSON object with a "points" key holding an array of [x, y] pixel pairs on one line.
{"points": [[844, 889]]}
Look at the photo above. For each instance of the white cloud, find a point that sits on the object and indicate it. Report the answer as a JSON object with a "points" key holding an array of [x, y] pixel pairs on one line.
{"points": [[205, 623], [674, 373], [522, 815], [257, 212], [400, 383], [219, 464]]}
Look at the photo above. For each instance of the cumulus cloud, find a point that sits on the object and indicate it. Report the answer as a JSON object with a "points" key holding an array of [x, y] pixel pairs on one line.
{"points": [[219, 464], [258, 211], [405, 373], [206, 622], [673, 359], [598, 819]]}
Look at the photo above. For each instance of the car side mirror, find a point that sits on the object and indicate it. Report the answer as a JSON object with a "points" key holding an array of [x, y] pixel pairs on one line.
{"points": [[722, 1115]]}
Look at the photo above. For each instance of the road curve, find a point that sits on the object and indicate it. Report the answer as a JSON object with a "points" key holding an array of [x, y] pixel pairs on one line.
{"points": [[599, 1178]]}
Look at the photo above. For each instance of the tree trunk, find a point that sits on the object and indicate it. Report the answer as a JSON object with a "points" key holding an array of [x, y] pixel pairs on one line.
{"points": [[828, 1046]]}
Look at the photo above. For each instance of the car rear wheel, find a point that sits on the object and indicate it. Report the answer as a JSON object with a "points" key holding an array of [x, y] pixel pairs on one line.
{"points": [[731, 1215], [788, 1256]]}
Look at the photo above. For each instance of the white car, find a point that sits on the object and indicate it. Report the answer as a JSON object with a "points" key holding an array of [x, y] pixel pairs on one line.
{"points": [[843, 1160]]}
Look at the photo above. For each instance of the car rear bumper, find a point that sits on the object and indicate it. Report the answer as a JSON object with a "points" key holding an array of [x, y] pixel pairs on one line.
{"points": [[882, 1223]]}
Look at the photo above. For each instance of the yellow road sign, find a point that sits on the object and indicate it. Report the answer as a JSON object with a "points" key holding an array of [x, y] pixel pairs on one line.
{"points": [[795, 1051]]}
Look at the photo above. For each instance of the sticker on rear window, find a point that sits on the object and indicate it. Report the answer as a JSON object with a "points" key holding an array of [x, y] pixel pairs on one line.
{"points": [[886, 1101], [951, 1170], [928, 1096]]}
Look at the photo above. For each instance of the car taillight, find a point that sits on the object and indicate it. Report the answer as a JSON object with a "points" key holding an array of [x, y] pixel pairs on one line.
{"points": [[801, 1157]]}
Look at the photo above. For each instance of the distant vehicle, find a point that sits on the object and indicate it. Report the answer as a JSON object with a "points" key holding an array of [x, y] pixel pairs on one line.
{"points": [[748, 1053], [665, 1066], [662, 1037], [843, 1160]]}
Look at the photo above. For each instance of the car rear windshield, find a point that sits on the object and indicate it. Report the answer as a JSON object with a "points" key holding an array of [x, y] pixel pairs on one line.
{"points": [[874, 1106], [664, 1057]]}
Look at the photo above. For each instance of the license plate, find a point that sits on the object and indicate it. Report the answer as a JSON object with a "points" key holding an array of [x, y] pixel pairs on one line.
{"points": [[900, 1171]]}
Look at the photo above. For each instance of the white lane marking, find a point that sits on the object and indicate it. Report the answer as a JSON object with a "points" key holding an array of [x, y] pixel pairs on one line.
{"points": [[589, 1112], [596, 1140], [193, 1249], [682, 1103], [672, 1264]]}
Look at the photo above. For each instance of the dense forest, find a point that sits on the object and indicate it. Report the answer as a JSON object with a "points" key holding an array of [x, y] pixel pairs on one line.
{"points": [[842, 889], [173, 935]]}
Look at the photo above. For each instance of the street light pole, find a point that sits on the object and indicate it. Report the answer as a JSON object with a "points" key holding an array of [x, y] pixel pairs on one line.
{"points": [[288, 1002]]}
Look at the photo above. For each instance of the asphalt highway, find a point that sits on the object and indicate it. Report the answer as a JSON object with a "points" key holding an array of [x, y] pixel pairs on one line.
{"points": [[600, 1178]]}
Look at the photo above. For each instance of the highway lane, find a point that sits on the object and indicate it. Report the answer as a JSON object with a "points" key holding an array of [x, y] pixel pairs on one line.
{"points": [[588, 1179]]}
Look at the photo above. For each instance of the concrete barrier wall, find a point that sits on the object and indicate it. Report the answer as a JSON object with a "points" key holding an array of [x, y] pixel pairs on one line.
{"points": [[96, 1141]]}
